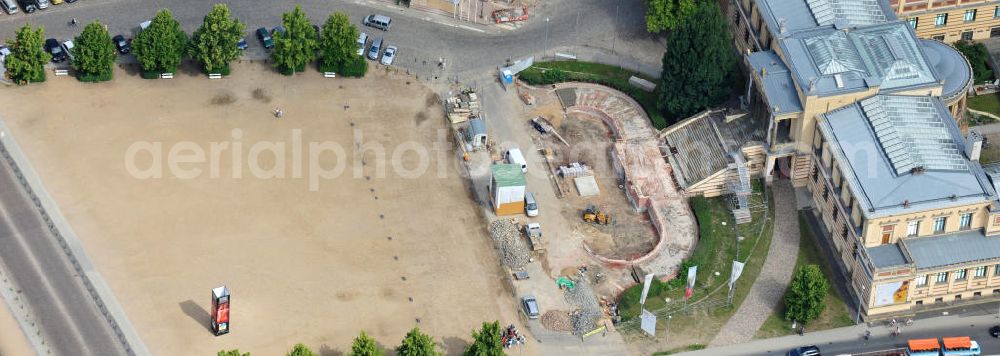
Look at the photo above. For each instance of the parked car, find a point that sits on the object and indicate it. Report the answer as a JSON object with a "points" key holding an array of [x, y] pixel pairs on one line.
{"points": [[41, 4], [811, 350], [121, 44], [56, 2], [242, 44], [67, 46], [279, 29], [389, 55], [530, 306], [4, 52], [362, 41], [381, 22], [28, 6], [995, 331], [375, 49], [9, 6], [265, 38], [71, 1], [55, 49]]}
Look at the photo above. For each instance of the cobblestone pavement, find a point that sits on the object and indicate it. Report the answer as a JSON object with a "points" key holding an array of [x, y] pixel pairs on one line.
{"points": [[770, 285]]}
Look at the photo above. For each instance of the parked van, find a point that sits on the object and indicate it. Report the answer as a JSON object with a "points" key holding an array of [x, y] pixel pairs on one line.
{"points": [[375, 48], [9, 6], [530, 206], [381, 22], [41, 4], [514, 156], [362, 41]]}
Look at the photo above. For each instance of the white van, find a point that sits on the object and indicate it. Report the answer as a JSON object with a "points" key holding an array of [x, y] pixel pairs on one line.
{"points": [[362, 41], [381, 22], [514, 156], [530, 206]]}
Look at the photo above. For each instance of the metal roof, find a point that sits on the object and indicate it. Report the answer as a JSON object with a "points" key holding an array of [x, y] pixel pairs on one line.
{"points": [[477, 127], [880, 190], [508, 175], [952, 249], [829, 61], [778, 86], [949, 64], [912, 133], [885, 256], [854, 12]]}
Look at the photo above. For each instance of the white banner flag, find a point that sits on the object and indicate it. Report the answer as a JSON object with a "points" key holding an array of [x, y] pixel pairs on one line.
{"points": [[737, 271], [645, 288], [648, 322]]}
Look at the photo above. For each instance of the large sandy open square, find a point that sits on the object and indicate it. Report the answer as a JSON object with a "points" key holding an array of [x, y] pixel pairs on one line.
{"points": [[178, 186]]}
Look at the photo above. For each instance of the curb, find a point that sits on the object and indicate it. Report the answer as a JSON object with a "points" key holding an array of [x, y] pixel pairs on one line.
{"points": [[66, 237]]}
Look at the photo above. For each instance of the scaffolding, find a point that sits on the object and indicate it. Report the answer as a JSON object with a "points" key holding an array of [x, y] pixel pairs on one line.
{"points": [[743, 200]]}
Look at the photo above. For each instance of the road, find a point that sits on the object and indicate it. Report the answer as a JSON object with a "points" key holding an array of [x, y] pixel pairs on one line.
{"points": [[471, 51], [973, 321], [54, 294]]}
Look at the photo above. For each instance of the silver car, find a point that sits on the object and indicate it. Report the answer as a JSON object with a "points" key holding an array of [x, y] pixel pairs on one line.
{"points": [[389, 55], [530, 306]]}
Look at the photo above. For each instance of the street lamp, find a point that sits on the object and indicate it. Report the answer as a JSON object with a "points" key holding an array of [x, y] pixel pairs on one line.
{"points": [[546, 52]]}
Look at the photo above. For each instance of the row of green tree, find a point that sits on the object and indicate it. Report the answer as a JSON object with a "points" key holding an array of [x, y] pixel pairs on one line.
{"points": [[162, 46], [486, 341]]}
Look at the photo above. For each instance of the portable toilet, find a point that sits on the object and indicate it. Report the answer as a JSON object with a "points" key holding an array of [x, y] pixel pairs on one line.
{"points": [[507, 77], [220, 310], [507, 189]]}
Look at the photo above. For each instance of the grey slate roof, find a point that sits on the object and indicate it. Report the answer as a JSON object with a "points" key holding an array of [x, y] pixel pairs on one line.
{"points": [[828, 61], [778, 86], [796, 15], [885, 256], [880, 190], [704, 141], [950, 249], [949, 64]]}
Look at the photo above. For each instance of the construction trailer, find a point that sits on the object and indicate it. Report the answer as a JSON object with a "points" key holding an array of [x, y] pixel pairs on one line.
{"points": [[220, 310], [507, 187], [476, 135]]}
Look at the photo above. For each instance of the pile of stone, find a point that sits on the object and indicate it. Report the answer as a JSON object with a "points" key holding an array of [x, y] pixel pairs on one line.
{"points": [[513, 250], [583, 319], [557, 320]]}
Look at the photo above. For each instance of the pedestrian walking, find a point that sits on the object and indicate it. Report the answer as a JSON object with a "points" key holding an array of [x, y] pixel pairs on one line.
{"points": [[802, 330], [868, 334]]}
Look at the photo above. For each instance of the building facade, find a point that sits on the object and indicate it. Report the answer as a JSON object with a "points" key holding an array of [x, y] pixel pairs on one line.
{"points": [[950, 20], [867, 117]]}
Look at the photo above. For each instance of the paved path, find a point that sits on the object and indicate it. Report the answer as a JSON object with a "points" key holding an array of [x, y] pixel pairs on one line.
{"points": [[974, 322], [769, 288], [988, 128]]}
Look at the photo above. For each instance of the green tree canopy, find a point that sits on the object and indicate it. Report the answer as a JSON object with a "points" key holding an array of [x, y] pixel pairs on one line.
{"points": [[486, 341], [296, 47], [804, 299], [365, 345], [338, 42], [698, 65], [301, 349], [161, 46], [214, 43], [27, 59], [979, 58], [231, 353], [416, 343], [94, 54], [663, 15]]}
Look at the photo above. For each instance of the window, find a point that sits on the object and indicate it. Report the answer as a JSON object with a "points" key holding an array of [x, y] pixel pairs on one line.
{"points": [[979, 272], [942, 277], [912, 228], [996, 11], [939, 224], [815, 174], [920, 302], [826, 193], [977, 294], [967, 36], [970, 15], [921, 281], [958, 297], [938, 300], [887, 233], [941, 20], [996, 270], [912, 21], [940, 38], [965, 222], [834, 213], [960, 274], [843, 232]]}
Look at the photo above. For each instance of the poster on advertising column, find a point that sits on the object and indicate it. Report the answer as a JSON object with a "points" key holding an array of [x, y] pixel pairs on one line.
{"points": [[891, 293]]}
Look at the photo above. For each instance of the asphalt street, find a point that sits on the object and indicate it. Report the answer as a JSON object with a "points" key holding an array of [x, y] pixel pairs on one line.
{"points": [[47, 282], [471, 51]]}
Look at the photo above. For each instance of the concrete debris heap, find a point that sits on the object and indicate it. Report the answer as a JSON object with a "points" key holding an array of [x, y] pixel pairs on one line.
{"points": [[589, 311], [557, 320], [512, 249]]}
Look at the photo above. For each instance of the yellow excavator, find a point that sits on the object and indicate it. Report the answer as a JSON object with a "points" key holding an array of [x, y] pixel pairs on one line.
{"points": [[595, 216]]}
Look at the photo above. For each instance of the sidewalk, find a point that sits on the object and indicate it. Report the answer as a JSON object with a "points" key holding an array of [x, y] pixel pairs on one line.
{"points": [[850, 338]]}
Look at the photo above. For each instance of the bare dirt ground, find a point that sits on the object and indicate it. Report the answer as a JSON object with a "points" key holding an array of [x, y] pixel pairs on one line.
{"points": [[364, 251], [12, 338]]}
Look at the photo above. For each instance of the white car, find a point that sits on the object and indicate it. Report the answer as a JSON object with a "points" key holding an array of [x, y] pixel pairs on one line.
{"points": [[68, 46], [389, 55], [4, 52]]}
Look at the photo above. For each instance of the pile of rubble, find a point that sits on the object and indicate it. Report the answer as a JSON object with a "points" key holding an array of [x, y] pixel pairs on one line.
{"points": [[513, 251], [462, 107], [557, 320], [585, 318]]}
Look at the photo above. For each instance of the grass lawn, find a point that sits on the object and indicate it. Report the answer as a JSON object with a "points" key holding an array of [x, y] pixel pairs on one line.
{"points": [[609, 75], [706, 311], [834, 316], [692, 347], [989, 103]]}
